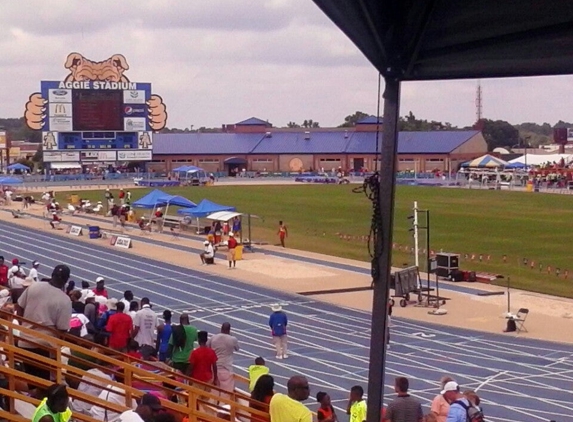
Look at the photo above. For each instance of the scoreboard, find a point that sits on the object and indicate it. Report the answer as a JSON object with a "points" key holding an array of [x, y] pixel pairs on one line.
{"points": [[97, 116]]}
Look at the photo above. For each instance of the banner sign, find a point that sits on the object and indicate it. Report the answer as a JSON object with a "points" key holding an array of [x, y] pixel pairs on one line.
{"points": [[120, 242], [75, 230]]}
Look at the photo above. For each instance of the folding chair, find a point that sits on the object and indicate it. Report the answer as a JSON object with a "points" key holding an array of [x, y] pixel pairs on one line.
{"points": [[520, 318]]}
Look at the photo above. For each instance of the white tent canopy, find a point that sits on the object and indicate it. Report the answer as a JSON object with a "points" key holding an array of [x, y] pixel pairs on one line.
{"points": [[65, 166], [538, 159], [224, 215]]}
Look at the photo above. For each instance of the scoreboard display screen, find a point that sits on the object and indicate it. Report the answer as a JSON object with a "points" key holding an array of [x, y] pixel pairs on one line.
{"points": [[97, 110]]}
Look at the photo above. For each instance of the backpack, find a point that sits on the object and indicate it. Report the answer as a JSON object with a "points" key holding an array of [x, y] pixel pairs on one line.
{"points": [[75, 326], [473, 413]]}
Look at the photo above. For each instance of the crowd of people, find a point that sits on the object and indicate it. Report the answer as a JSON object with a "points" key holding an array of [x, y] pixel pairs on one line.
{"points": [[133, 327]]}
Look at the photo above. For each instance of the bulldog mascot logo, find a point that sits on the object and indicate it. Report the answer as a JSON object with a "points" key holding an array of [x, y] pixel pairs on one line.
{"points": [[82, 69]]}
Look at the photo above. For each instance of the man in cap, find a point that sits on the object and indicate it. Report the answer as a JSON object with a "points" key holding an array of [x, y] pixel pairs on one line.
{"points": [[458, 402], [100, 289], [33, 274], [208, 252], [278, 322], [48, 305], [148, 408], [16, 275]]}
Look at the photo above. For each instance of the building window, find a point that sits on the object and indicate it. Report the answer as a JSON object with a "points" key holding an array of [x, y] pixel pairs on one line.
{"points": [[406, 160], [181, 161], [208, 161], [330, 160], [435, 160], [262, 160], [157, 161]]}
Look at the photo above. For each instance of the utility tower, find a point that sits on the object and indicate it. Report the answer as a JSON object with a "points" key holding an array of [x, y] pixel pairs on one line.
{"points": [[479, 108]]}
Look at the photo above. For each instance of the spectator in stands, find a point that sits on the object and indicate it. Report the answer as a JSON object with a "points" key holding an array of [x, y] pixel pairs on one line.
{"points": [[127, 299], [208, 252], [111, 394], [119, 326], [48, 305], [3, 272], [263, 392], [181, 343], [91, 308], [92, 384], [404, 408], [203, 362], [111, 309], [356, 405], [278, 322], [440, 406], [85, 290], [256, 370], [163, 335], [133, 350], [289, 407], [80, 325], [54, 408], [145, 323], [325, 412], [457, 412], [150, 409], [225, 345], [100, 289], [473, 398], [133, 308], [77, 305]]}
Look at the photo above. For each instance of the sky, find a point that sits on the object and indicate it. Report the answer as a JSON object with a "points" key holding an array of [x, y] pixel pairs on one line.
{"points": [[221, 61]]}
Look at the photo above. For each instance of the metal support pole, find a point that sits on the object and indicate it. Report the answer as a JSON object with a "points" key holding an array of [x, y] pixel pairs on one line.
{"points": [[383, 249], [416, 234]]}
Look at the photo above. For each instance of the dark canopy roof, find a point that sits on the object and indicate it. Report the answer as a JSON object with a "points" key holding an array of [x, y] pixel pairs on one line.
{"points": [[452, 39]]}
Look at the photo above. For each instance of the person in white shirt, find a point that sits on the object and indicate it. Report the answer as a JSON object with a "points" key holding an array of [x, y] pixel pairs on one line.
{"points": [[208, 253], [92, 386], [16, 275], [149, 407], [144, 325], [111, 394], [33, 274], [126, 300]]}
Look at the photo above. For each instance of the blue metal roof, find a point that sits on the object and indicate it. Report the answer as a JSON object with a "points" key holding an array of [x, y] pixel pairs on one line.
{"points": [[295, 143], [205, 143], [436, 142], [253, 121], [370, 120]]}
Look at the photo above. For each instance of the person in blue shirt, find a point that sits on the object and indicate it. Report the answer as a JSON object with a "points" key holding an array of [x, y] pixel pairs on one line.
{"points": [[278, 322], [163, 335]]}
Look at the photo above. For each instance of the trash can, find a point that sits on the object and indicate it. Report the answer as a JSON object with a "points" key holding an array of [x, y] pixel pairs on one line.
{"points": [[529, 186], [238, 252], [94, 232]]}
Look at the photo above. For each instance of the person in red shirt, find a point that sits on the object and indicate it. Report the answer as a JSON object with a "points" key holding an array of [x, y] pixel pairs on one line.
{"points": [[231, 244], [119, 326], [3, 272], [203, 362], [100, 289], [133, 350], [55, 220]]}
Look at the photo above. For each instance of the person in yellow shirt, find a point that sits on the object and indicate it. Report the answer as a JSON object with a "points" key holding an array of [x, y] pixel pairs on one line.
{"points": [[256, 370], [356, 405], [288, 408]]}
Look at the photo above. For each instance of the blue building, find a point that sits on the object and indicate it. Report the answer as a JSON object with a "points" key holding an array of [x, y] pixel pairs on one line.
{"points": [[255, 145]]}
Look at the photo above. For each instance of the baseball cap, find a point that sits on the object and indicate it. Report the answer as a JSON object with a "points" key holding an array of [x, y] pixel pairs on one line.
{"points": [[35, 263], [61, 272], [100, 279], [450, 386], [231, 234], [152, 401], [15, 261], [206, 242]]}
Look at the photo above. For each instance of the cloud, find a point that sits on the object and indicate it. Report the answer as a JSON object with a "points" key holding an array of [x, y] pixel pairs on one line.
{"points": [[220, 61]]}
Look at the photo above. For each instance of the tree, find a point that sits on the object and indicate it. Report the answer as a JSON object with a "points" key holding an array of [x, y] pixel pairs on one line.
{"points": [[38, 156], [499, 133], [350, 121], [310, 123], [410, 123]]}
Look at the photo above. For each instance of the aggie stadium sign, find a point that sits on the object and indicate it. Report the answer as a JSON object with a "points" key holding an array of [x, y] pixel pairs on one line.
{"points": [[97, 85]]}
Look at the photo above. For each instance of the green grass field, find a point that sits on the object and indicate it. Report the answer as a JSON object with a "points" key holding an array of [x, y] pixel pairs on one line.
{"points": [[332, 220]]}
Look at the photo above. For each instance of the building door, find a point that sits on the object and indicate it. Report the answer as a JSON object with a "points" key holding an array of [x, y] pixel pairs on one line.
{"points": [[358, 164]]}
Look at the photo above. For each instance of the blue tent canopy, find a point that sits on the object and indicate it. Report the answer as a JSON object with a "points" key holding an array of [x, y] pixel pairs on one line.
{"points": [[485, 161], [515, 166], [18, 166], [158, 198], [204, 208], [10, 181]]}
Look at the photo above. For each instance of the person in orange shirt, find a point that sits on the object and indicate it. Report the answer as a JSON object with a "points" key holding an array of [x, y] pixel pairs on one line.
{"points": [[440, 406], [325, 412]]}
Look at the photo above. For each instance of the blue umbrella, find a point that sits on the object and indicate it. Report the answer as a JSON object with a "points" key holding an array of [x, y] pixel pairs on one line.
{"points": [[10, 181]]}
